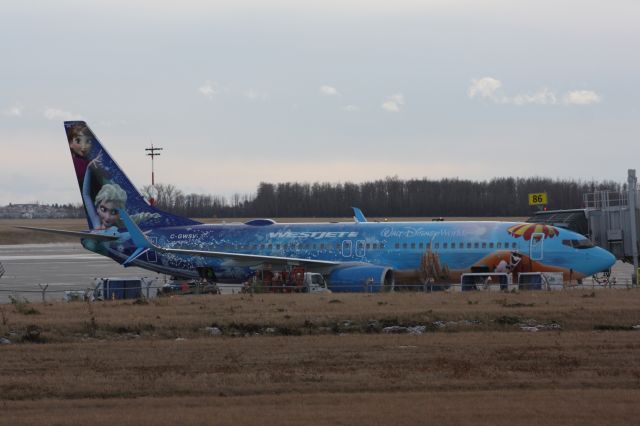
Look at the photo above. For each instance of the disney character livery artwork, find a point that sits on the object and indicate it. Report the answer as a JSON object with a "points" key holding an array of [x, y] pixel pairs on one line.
{"points": [[105, 189]]}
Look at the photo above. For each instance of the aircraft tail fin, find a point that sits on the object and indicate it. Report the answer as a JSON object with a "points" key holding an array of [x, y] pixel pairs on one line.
{"points": [[105, 188]]}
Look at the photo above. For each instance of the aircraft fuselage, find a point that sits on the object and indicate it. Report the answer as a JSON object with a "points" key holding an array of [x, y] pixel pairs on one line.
{"points": [[410, 249]]}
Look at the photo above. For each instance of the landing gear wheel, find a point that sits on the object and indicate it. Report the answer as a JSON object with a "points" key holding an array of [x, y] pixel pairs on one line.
{"points": [[604, 278]]}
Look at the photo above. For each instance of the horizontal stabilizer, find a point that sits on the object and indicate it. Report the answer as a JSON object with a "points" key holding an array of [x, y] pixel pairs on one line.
{"points": [[78, 234]]}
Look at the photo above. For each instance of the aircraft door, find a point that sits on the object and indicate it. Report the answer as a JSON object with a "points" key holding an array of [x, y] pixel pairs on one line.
{"points": [[346, 248], [360, 248], [536, 246]]}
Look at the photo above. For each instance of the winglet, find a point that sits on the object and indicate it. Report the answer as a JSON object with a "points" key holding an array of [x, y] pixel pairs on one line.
{"points": [[136, 254], [138, 238], [358, 216]]}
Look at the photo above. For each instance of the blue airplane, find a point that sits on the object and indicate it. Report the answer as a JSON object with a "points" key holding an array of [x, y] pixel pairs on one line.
{"points": [[353, 256]]}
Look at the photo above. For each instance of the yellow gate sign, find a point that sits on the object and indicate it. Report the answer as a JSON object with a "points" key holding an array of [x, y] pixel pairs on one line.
{"points": [[538, 198]]}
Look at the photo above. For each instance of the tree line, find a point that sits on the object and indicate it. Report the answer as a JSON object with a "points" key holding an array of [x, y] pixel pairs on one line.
{"points": [[389, 197]]}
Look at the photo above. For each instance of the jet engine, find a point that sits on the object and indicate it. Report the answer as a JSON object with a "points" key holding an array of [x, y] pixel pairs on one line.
{"points": [[361, 278]]}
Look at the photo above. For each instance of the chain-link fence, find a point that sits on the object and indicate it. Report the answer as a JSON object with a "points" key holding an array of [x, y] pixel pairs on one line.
{"points": [[47, 293]]}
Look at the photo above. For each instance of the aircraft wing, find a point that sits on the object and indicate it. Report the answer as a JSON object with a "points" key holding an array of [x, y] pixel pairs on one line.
{"points": [[79, 234], [143, 244], [246, 257]]}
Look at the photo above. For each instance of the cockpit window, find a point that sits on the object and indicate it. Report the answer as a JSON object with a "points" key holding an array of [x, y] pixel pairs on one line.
{"points": [[579, 244]]}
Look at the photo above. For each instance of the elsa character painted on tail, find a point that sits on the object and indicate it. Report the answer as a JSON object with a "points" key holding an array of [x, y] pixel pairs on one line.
{"points": [[110, 198]]}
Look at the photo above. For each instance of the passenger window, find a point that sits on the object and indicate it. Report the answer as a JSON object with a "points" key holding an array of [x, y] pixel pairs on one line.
{"points": [[484, 245], [404, 245], [428, 246], [368, 246], [375, 246], [444, 245], [514, 245], [421, 245], [490, 245], [476, 245], [381, 245], [437, 245], [499, 245], [321, 246], [468, 245], [397, 245], [413, 245], [453, 245]]}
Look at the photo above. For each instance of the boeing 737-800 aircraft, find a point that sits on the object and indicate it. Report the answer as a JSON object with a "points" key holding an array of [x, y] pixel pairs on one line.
{"points": [[126, 228]]}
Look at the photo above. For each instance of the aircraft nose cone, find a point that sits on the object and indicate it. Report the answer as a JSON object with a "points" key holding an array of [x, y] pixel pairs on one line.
{"points": [[605, 260]]}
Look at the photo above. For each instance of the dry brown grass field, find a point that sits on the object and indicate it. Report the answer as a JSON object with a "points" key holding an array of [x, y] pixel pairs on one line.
{"points": [[325, 359], [9, 234]]}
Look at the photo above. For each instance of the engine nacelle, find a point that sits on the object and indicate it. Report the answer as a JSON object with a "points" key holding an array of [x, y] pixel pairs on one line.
{"points": [[362, 278]]}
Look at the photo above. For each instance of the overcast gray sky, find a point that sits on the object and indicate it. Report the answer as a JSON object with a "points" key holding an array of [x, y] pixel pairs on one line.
{"points": [[243, 91]]}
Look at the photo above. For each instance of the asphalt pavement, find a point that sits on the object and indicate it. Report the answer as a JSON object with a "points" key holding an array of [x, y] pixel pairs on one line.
{"points": [[62, 267]]}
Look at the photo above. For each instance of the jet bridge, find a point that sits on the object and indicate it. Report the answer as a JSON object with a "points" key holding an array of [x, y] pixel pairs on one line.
{"points": [[614, 220], [610, 219]]}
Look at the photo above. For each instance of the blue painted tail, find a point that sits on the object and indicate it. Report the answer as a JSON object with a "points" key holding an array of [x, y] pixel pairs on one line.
{"points": [[105, 188]]}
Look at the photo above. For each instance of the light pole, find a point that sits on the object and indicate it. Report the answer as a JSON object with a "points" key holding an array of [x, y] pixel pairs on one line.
{"points": [[633, 188], [153, 152]]}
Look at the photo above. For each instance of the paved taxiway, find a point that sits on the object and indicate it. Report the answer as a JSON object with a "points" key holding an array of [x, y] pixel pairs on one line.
{"points": [[71, 267], [62, 266]]}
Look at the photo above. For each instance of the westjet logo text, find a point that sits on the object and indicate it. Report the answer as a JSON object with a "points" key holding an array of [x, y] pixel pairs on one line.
{"points": [[314, 235]]}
